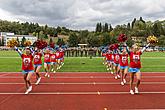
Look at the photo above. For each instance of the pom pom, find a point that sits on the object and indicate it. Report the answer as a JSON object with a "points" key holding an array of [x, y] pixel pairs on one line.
{"points": [[113, 46], [52, 45], [12, 43], [27, 43], [122, 38], [40, 44], [152, 39]]}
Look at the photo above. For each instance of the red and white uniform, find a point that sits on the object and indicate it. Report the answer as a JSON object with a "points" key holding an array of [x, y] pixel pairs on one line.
{"points": [[58, 55], [53, 58], [47, 57], [37, 59], [135, 59], [123, 60], [109, 57], [116, 58], [27, 62], [61, 54], [104, 54]]}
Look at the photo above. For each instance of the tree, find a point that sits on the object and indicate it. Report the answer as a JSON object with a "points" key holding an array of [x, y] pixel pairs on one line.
{"points": [[161, 40], [128, 26], [141, 19], [60, 41], [105, 27], [110, 28], [93, 40], [97, 27], [23, 41], [133, 22], [156, 30], [18, 42], [73, 40], [58, 29]]}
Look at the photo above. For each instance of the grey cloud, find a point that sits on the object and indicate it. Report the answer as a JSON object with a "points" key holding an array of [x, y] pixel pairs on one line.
{"points": [[83, 14]]}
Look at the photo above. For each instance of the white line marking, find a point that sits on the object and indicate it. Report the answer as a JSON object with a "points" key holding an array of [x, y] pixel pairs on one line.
{"points": [[79, 77], [76, 93], [78, 83]]}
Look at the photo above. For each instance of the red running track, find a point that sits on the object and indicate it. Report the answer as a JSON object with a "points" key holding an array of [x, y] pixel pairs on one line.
{"points": [[81, 91]]}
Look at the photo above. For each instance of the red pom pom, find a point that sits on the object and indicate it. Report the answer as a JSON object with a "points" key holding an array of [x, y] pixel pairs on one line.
{"points": [[122, 38], [52, 45]]}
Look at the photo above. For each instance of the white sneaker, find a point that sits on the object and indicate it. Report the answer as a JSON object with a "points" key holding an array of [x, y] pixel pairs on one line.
{"points": [[136, 90], [27, 92], [124, 80], [118, 76], [54, 71], [46, 74], [107, 69], [38, 81], [111, 72], [131, 92], [122, 83], [30, 89]]}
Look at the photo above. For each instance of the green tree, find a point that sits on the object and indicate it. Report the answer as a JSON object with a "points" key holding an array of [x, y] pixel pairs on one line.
{"points": [[60, 41], [23, 41], [73, 40], [18, 42], [93, 40]]}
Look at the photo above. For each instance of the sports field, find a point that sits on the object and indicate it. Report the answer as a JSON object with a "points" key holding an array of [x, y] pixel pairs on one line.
{"points": [[151, 62], [81, 84]]}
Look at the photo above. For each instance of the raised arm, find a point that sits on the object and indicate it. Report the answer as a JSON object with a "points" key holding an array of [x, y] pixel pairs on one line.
{"points": [[127, 48], [32, 51], [19, 51], [144, 48]]}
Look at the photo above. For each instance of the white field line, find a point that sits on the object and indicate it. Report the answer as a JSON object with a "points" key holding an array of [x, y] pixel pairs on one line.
{"points": [[76, 93], [78, 83], [77, 77]]}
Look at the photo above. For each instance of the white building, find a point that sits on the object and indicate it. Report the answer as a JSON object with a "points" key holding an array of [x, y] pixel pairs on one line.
{"points": [[8, 36]]}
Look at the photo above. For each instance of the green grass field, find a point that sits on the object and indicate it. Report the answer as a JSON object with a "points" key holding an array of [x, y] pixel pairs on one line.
{"points": [[151, 62]]}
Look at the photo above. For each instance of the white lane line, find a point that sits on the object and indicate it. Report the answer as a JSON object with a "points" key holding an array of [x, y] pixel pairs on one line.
{"points": [[79, 77], [78, 83], [76, 93]]}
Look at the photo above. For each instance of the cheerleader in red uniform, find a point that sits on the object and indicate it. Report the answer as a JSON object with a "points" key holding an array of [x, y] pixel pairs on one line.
{"points": [[116, 64], [58, 56], [53, 62], [37, 64], [109, 59], [135, 65], [27, 67], [47, 62], [123, 65]]}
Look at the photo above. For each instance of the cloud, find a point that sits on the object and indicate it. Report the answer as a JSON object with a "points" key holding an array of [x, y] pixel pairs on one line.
{"points": [[81, 14]]}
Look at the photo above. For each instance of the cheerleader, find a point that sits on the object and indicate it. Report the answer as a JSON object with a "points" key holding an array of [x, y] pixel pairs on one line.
{"points": [[123, 65], [135, 65], [109, 58], [116, 64], [27, 67], [37, 64], [53, 62], [47, 62]]}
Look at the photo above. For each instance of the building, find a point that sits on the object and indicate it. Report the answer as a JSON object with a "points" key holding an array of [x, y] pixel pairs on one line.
{"points": [[8, 36]]}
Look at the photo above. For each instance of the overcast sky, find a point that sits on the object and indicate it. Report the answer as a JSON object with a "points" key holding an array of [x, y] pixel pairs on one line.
{"points": [[81, 14]]}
